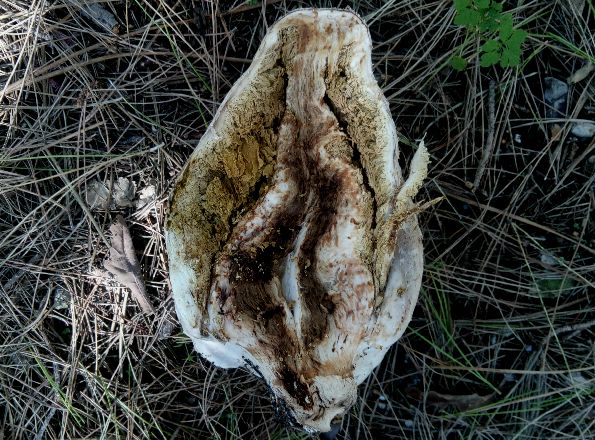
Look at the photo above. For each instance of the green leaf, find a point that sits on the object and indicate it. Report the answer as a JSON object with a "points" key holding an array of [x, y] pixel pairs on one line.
{"points": [[510, 58], [458, 63], [506, 28], [517, 38], [462, 4], [492, 13], [460, 18], [482, 5], [513, 51], [505, 60], [473, 18], [490, 46], [554, 287], [489, 24], [511, 54], [467, 18], [489, 59], [502, 43]]}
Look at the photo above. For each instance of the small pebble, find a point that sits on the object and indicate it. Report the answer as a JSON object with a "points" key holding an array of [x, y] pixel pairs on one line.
{"points": [[555, 97], [584, 130], [548, 259]]}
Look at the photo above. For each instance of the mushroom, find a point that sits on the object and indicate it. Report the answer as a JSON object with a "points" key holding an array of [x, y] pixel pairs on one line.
{"points": [[293, 241]]}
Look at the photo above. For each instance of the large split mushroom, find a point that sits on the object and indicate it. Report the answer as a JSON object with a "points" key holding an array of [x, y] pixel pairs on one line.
{"points": [[293, 241]]}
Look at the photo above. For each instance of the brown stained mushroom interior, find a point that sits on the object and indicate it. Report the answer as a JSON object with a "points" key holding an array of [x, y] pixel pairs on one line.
{"points": [[295, 157]]}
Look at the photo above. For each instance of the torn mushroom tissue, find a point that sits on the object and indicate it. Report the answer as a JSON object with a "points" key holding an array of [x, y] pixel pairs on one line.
{"points": [[292, 237]]}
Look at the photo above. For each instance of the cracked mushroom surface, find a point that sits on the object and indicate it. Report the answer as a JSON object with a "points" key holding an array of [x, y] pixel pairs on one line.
{"points": [[292, 236]]}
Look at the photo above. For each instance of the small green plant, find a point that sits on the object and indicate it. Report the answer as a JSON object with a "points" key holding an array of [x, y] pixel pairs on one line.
{"points": [[501, 41]]}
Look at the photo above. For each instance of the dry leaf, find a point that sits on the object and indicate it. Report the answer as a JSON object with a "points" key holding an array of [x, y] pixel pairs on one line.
{"points": [[462, 402], [555, 132], [581, 73], [124, 191], [101, 16], [124, 266], [145, 196], [97, 195]]}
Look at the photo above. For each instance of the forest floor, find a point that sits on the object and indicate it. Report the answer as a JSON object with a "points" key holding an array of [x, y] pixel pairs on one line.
{"points": [[102, 103]]}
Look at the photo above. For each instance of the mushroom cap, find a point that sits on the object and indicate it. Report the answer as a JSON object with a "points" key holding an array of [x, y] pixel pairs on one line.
{"points": [[293, 242]]}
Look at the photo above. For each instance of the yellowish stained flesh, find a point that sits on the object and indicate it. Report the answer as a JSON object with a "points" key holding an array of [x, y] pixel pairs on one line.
{"points": [[292, 238]]}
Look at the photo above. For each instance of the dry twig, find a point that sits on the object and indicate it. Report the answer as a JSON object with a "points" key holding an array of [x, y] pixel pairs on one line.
{"points": [[124, 265], [489, 144]]}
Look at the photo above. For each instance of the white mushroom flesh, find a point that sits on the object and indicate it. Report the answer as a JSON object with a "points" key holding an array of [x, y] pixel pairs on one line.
{"points": [[292, 238]]}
